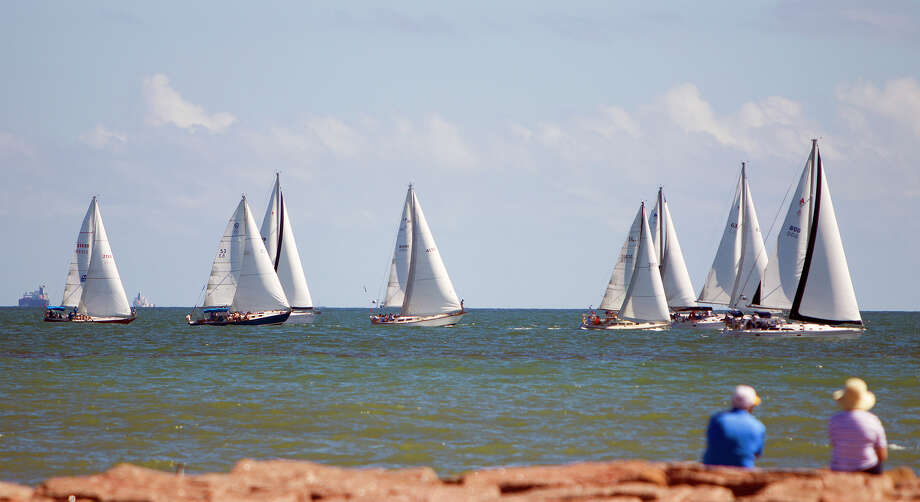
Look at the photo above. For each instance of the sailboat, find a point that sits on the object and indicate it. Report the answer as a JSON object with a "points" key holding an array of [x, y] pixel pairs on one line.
{"points": [[278, 237], [243, 287], [810, 276], [644, 303], [673, 269], [619, 281], [93, 291], [740, 261], [418, 281]]}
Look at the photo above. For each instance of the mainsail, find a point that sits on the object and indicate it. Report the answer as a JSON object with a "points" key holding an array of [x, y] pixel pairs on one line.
{"points": [[741, 258], [103, 294], [399, 266], [258, 288], [428, 287], [278, 237], [624, 267], [76, 275], [673, 269], [645, 298], [824, 293], [785, 266]]}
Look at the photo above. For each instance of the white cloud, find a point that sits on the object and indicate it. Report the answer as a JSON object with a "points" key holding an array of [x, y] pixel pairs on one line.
{"points": [[613, 120], [336, 136], [899, 100], [11, 144], [166, 106], [445, 144], [771, 111], [100, 137], [520, 132], [688, 110], [434, 141]]}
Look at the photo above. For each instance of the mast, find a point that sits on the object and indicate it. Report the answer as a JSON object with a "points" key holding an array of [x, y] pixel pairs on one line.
{"points": [[660, 227], [280, 220], [812, 189]]}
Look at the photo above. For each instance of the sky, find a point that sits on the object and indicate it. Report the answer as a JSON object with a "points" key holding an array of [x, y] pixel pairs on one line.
{"points": [[531, 130]]}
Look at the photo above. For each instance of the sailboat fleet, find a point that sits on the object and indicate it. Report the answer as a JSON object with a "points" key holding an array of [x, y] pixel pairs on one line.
{"points": [[801, 287]]}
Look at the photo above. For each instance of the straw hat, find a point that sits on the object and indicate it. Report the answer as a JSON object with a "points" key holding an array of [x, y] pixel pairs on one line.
{"points": [[745, 397], [855, 396]]}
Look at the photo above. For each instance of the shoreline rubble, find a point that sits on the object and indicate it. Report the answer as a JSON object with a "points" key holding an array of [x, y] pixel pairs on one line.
{"points": [[619, 481]]}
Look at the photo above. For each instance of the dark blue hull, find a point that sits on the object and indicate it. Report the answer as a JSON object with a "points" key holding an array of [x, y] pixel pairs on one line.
{"points": [[270, 319]]}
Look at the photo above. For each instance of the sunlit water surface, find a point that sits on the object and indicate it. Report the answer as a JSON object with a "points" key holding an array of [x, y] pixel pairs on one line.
{"points": [[505, 387]]}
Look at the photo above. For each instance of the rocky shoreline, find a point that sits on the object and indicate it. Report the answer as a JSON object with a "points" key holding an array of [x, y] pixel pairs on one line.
{"points": [[620, 481]]}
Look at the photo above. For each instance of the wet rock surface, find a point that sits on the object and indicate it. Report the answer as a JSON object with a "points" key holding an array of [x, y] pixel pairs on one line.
{"points": [[633, 481]]}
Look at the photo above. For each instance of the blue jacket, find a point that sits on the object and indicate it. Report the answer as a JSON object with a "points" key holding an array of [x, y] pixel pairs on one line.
{"points": [[734, 438]]}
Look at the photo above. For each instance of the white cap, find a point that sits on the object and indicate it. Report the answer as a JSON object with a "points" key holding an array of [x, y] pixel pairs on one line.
{"points": [[745, 397]]}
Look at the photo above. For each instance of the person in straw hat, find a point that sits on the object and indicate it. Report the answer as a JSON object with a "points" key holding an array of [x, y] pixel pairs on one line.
{"points": [[735, 437], [857, 436]]}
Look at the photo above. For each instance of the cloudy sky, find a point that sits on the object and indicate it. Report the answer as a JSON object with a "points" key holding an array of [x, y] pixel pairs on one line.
{"points": [[532, 131]]}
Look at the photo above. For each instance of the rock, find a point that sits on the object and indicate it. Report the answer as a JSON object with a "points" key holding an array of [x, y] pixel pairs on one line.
{"points": [[521, 479], [10, 492], [616, 481]]}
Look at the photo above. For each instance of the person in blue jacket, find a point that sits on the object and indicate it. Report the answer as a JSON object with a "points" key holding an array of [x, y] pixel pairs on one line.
{"points": [[735, 437]]}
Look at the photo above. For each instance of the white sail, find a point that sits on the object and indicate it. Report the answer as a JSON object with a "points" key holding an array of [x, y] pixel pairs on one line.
{"points": [[671, 265], [721, 279], [623, 269], [753, 253], [428, 287], [258, 288], [825, 291], [225, 271], [278, 238], [645, 298], [740, 261], [399, 266], [785, 265], [73, 285], [103, 294]]}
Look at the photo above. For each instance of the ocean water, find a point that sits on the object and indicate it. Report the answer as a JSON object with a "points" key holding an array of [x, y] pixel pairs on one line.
{"points": [[506, 387]]}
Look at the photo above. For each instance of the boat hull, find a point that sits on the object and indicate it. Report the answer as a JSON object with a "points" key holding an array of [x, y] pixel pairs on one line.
{"points": [[106, 319], [254, 319], [93, 319], [301, 316], [433, 321], [627, 325], [711, 322], [806, 329]]}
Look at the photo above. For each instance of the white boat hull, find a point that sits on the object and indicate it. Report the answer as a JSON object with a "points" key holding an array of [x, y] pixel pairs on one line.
{"points": [[627, 325], [797, 329], [304, 316], [710, 322], [105, 319], [433, 321]]}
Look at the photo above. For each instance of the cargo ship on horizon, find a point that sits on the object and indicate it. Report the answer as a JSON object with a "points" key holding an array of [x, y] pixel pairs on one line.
{"points": [[37, 298]]}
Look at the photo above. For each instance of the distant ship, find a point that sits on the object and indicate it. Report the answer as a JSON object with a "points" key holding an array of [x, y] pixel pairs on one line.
{"points": [[37, 298], [142, 301]]}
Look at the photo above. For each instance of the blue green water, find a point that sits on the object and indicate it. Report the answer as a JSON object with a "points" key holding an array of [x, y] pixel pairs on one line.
{"points": [[505, 387]]}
